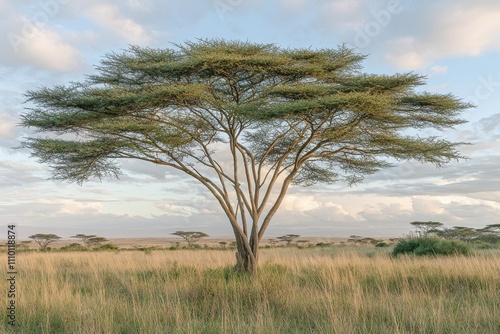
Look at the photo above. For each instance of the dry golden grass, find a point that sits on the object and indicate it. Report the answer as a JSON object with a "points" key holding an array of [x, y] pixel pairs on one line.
{"points": [[334, 290]]}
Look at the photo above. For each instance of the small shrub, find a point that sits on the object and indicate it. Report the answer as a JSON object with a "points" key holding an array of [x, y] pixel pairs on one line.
{"points": [[108, 247], [323, 244], [74, 247], [430, 246], [382, 244]]}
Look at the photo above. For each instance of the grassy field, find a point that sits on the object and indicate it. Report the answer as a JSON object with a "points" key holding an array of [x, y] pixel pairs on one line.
{"points": [[312, 290]]}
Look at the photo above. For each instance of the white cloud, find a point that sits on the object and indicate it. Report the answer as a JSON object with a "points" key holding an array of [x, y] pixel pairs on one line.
{"points": [[439, 69], [490, 124], [33, 39], [446, 29], [72, 207], [7, 126], [177, 210], [112, 18], [425, 206], [47, 49], [342, 14], [299, 204], [381, 212]]}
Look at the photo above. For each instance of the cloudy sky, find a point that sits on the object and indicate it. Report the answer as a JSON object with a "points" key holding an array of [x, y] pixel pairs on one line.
{"points": [[454, 42]]}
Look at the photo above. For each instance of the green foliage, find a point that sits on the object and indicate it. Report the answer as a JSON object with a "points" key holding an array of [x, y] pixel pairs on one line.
{"points": [[108, 246], [382, 244], [430, 246], [425, 228], [96, 242], [74, 247], [490, 238]]}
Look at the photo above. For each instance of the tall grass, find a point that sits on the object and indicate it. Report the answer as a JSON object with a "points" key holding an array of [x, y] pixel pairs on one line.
{"points": [[333, 290]]}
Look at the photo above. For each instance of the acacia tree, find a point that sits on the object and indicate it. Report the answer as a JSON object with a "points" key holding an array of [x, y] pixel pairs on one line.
{"points": [[84, 238], [191, 237], [245, 120], [43, 240], [95, 242], [288, 238], [425, 228]]}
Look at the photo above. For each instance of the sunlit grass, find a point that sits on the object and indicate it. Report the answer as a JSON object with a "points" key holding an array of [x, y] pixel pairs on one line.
{"points": [[334, 290]]}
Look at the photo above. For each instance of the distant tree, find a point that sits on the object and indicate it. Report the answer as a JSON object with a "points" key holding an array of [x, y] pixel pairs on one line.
{"points": [[489, 234], [465, 233], [24, 245], [424, 228], [370, 241], [458, 233], [273, 241], [302, 242], [191, 237], [493, 228], [43, 240], [223, 244], [288, 238], [447, 233], [355, 239], [96, 242], [285, 116], [84, 238]]}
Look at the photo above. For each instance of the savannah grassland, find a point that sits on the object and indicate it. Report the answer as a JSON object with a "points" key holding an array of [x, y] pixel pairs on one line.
{"points": [[311, 290]]}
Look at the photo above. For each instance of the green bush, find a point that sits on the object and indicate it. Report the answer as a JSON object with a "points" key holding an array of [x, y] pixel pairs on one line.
{"points": [[430, 246], [74, 247], [108, 247], [382, 244]]}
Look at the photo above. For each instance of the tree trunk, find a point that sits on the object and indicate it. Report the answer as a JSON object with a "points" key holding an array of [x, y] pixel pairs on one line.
{"points": [[246, 261]]}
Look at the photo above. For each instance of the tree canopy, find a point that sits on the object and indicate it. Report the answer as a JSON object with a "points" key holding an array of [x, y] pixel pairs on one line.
{"points": [[191, 237], [246, 120], [426, 227], [84, 238], [288, 238], [43, 240]]}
